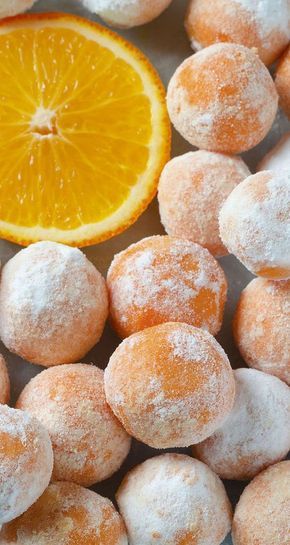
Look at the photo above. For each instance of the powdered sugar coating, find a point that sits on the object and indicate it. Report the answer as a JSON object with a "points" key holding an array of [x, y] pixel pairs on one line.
{"points": [[256, 434], [192, 189], [176, 500], [282, 82], [53, 304], [262, 326], [262, 516], [170, 385], [261, 24], [279, 157], [13, 7], [4, 382], [67, 514], [25, 462], [164, 279], [255, 223], [88, 441], [127, 13], [222, 99]]}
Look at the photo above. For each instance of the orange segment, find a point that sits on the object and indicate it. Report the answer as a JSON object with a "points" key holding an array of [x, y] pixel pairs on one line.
{"points": [[84, 132]]}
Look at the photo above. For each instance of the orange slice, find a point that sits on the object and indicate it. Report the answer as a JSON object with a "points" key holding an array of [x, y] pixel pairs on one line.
{"points": [[84, 131]]}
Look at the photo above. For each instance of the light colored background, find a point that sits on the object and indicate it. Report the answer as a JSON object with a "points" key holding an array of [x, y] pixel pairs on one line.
{"points": [[165, 43]]}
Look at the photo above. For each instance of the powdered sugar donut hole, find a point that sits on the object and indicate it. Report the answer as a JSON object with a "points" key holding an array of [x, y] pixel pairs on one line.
{"points": [[255, 224], [282, 81], [170, 385], [164, 279], [262, 25], [262, 514], [88, 441], [13, 7], [53, 304], [176, 500], [25, 462], [256, 434], [67, 514], [261, 326], [279, 157], [4, 382], [192, 189], [127, 13], [222, 99]]}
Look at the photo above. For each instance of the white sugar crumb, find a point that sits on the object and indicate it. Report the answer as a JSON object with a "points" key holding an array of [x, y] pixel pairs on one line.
{"points": [[38, 286], [256, 433], [170, 490], [184, 345], [268, 14]]}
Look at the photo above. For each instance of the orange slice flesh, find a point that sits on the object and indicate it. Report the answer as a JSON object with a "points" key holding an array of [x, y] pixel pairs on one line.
{"points": [[84, 131]]}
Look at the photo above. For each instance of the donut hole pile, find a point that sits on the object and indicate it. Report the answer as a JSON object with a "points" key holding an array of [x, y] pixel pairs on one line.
{"points": [[169, 384]]}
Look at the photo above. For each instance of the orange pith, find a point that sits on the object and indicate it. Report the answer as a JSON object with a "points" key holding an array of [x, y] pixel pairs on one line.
{"points": [[84, 131]]}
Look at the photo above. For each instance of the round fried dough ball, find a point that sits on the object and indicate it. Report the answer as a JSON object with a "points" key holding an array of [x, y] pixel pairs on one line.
{"points": [[174, 500], [67, 514], [170, 385], [164, 279], [53, 304], [26, 462], [127, 13], [263, 513], [256, 434], [256, 24], [222, 99], [192, 189], [262, 326], [255, 224], [89, 443]]}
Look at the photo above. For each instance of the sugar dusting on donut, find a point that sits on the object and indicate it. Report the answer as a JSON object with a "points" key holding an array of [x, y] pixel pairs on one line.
{"points": [[161, 279], [255, 223], [26, 462]]}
